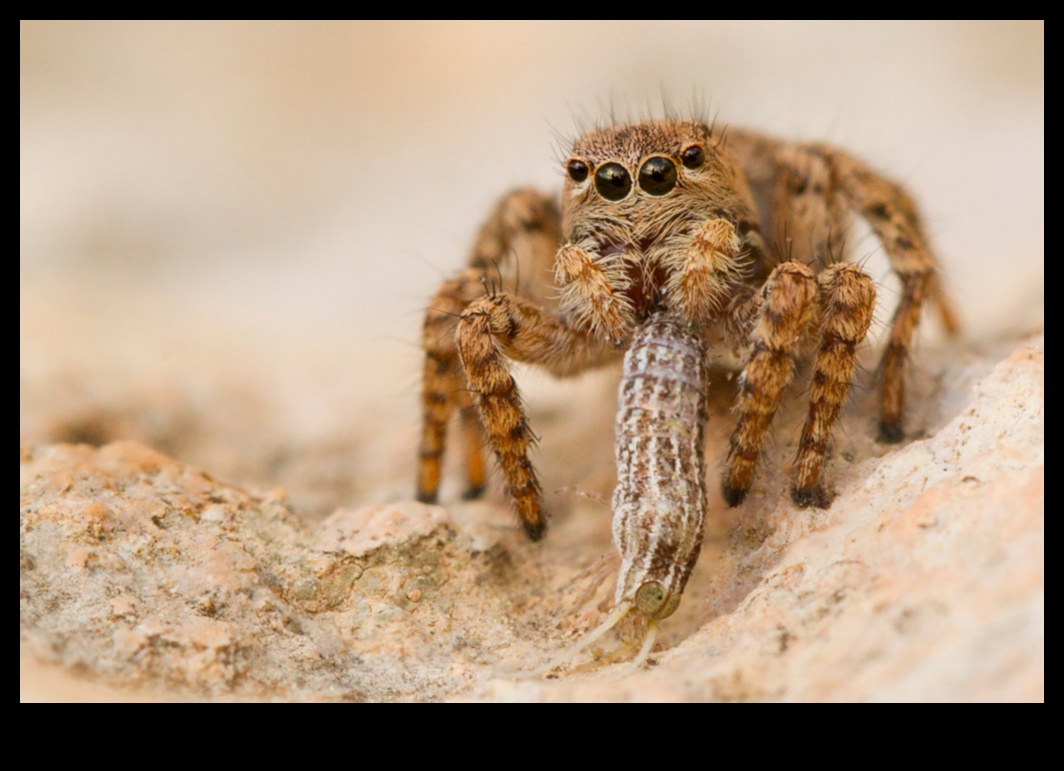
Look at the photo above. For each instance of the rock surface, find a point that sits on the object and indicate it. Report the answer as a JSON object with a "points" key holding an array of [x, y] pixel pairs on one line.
{"points": [[923, 581]]}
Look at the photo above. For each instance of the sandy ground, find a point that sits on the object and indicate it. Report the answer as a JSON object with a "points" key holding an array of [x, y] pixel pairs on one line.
{"points": [[227, 236]]}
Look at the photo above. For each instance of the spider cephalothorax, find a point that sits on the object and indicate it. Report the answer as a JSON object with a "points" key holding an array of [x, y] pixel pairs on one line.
{"points": [[653, 214], [668, 217]]}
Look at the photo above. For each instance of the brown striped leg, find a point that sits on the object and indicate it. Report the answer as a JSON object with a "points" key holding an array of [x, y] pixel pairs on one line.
{"points": [[437, 404], [492, 331], [785, 307], [476, 473], [892, 214], [441, 381], [895, 362], [847, 302], [514, 250]]}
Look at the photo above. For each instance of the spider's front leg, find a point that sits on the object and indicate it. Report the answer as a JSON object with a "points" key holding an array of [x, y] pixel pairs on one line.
{"points": [[498, 328], [594, 292], [469, 338], [706, 266], [847, 302], [513, 251], [775, 320]]}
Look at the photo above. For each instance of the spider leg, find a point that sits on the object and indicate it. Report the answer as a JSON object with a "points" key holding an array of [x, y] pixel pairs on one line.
{"points": [[493, 331], [475, 442], [808, 216], [496, 310], [701, 273], [847, 302], [780, 312], [892, 214], [442, 383], [808, 192], [592, 292], [812, 219], [513, 251]]}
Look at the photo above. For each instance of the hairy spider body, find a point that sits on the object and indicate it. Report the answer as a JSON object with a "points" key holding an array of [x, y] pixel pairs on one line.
{"points": [[668, 216]]}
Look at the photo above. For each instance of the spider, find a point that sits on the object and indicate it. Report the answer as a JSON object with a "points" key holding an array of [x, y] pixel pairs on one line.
{"points": [[670, 216]]}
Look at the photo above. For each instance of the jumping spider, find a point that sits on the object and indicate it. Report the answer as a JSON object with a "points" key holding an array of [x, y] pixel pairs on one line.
{"points": [[671, 216]]}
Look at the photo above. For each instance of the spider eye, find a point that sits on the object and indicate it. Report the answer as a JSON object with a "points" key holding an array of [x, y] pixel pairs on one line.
{"points": [[657, 176], [577, 170], [613, 181], [693, 157]]}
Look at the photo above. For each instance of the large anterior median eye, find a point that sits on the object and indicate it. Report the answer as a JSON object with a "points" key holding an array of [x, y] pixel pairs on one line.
{"points": [[657, 176], [613, 181]]}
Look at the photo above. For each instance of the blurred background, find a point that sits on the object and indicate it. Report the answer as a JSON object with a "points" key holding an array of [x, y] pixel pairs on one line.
{"points": [[228, 231]]}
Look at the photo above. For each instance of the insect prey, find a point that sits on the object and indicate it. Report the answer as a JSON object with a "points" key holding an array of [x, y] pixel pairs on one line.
{"points": [[659, 503]]}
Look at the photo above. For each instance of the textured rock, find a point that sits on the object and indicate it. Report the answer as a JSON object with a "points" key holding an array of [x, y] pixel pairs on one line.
{"points": [[924, 580], [138, 570]]}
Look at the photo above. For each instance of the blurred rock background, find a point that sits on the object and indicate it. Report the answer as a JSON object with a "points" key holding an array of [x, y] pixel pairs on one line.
{"points": [[228, 231]]}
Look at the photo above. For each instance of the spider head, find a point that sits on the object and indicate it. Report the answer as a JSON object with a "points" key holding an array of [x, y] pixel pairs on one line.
{"points": [[635, 195], [630, 187]]}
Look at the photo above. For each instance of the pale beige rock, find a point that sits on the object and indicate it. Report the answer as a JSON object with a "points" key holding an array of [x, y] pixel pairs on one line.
{"points": [[249, 603], [924, 580]]}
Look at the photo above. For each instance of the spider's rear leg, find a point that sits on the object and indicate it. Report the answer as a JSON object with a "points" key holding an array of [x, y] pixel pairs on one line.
{"points": [[475, 442], [847, 302], [493, 330], [443, 387], [781, 312], [891, 213]]}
